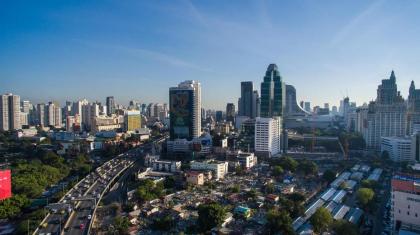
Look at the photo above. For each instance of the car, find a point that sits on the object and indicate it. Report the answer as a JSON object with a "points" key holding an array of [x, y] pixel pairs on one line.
{"points": [[82, 226], [89, 217]]}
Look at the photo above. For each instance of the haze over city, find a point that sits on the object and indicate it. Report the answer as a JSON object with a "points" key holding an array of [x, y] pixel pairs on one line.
{"points": [[210, 117], [136, 49]]}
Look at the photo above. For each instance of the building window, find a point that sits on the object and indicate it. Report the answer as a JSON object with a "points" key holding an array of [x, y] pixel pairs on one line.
{"points": [[416, 215], [399, 211], [408, 213]]}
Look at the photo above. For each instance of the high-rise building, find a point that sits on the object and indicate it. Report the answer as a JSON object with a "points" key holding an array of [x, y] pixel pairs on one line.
{"points": [[26, 106], [110, 104], [385, 117], [230, 112], [185, 110], [53, 114], [132, 120], [4, 113], [10, 112], [327, 106], [413, 115], [273, 93], [268, 136], [40, 115], [405, 203], [246, 101], [70, 121], [219, 116], [334, 110], [307, 107], [291, 106], [203, 114]]}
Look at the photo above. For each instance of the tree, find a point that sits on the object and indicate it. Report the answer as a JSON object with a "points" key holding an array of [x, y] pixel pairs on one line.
{"points": [[279, 221], [11, 207], [235, 188], [308, 168], [278, 170], [329, 176], [288, 163], [252, 194], [369, 184], [210, 215], [296, 197], [364, 196], [163, 224], [148, 190], [344, 227], [121, 224], [269, 188], [169, 182], [321, 220]]}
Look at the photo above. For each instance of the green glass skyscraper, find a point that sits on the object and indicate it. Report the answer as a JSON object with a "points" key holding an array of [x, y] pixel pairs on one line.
{"points": [[273, 93]]}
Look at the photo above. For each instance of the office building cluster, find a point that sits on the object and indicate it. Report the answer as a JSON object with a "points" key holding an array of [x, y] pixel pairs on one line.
{"points": [[80, 116]]}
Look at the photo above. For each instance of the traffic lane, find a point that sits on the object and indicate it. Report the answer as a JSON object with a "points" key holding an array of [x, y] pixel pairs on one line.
{"points": [[52, 226], [80, 217], [74, 224]]}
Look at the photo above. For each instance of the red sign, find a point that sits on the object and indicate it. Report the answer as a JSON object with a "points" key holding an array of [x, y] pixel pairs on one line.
{"points": [[5, 184]]}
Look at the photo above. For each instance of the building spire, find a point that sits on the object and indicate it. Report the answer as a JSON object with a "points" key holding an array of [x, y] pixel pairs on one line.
{"points": [[392, 77]]}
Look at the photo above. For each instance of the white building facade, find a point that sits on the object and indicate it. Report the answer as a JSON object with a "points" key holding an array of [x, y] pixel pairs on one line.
{"points": [[267, 136]]}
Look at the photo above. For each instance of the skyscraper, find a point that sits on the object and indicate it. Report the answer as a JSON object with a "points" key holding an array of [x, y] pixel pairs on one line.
{"points": [[268, 136], [40, 114], [185, 110], [273, 93], [246, 103], [413, 115], [385, 117], [132, 120], [307, 106], [10, 112], [230, 112], [110, 104]]}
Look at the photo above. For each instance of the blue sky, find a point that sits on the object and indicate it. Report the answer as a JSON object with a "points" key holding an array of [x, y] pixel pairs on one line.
{"points": [[66, 50]]}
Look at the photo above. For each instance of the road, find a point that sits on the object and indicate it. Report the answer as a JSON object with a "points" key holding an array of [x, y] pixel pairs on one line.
{"points": [[73, 212], [82, 195]]}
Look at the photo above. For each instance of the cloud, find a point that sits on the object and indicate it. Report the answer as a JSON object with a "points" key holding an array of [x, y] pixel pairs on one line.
{"points": [[150, 54], [351, 26]]}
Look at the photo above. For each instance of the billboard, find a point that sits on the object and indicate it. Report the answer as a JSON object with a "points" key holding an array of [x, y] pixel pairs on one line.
{"points": [[181, 112], [5, 184]]}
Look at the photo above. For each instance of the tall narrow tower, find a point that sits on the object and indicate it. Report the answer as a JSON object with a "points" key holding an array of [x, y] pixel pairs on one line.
{"points": [[273, 93], [185, 110]]}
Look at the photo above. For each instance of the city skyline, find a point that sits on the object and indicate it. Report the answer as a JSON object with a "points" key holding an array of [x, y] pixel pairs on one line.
{"points": [[108, 48]]}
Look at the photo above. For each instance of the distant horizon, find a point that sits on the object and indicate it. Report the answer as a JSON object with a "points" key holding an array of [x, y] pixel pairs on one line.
{"points": [[137, 50]]}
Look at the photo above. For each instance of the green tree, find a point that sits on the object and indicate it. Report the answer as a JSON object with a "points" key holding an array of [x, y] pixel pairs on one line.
{"points": [[252, 194], [148, 190], [296, 197], [369, 184], [121, 225], [235, 188], [163, 224], [308, 167], [279, 221], [278, 170], [329, 176], [364, 196], [269, 188], [289, 164], [11, 207], [210, 215], [321, 220], [344, 227]]}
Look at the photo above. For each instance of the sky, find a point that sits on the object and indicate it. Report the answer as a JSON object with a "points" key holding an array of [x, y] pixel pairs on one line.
{"points": [[136, 50]]}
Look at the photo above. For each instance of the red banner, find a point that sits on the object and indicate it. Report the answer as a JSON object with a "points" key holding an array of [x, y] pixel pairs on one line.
{"points": [[5, 184]]}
